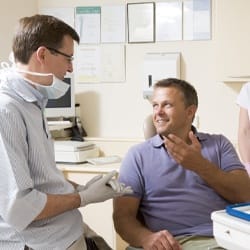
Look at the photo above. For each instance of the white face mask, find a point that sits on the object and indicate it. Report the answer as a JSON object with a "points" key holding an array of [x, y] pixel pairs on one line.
{"points": [[55, 90], [11, 63]]}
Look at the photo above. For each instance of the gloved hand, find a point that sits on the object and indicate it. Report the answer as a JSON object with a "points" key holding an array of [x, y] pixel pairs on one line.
{"points": [[120, 187], [103, 188], [83, 187]]}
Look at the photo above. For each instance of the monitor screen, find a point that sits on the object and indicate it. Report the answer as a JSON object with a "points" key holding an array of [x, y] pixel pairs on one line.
{"points": [[65, 105]]}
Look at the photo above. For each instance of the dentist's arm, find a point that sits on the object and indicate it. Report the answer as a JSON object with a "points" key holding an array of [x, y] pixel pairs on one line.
{"points": [[98, 189]]}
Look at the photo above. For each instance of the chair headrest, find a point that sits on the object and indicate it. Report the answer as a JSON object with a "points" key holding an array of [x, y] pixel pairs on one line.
{"points": [[148, 127]]}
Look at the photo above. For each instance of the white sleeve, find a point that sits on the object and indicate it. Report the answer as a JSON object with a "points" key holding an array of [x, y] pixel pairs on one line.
{"points": [[243, 99]]}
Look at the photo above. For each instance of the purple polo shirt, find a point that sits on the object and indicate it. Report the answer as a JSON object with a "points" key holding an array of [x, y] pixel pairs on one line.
{"points": [[172, 197]]}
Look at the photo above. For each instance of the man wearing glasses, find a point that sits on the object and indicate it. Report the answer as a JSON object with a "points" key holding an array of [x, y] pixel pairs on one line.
{"points": [[38, 207]]}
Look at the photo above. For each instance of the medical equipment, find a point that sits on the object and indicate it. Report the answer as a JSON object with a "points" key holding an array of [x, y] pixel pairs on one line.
{"points": [[74, 151], [65, 105], [231, 232]]}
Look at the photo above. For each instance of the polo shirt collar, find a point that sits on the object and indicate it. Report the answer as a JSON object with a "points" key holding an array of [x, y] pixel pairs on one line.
{"points": [[157, 141]]}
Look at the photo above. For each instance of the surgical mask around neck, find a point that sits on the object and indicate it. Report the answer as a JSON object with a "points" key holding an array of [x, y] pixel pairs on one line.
{"points": [[10, 64], [7, 67], [55, 90]]}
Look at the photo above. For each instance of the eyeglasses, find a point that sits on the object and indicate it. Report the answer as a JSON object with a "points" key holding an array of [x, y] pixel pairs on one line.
{"points": [[70, 58]]}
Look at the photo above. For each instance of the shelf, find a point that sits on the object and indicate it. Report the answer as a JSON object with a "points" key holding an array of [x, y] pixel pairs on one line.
{"points": [[237, 79]]}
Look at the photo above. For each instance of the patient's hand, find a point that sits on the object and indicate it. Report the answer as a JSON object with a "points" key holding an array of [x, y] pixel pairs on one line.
{"points": [[161, 240], [187, 154]]}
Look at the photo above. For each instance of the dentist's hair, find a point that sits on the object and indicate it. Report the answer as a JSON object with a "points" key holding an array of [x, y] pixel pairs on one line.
{"points": [[39, 30]]}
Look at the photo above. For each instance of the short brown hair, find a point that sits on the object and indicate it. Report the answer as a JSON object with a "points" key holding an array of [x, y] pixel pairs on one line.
{"points": [[188, 91], [39, 30]]}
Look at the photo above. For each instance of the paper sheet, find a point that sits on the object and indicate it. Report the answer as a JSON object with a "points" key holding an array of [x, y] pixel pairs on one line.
{"points": [[113, 23], [88, 24], [65, 14], [168, 21]]}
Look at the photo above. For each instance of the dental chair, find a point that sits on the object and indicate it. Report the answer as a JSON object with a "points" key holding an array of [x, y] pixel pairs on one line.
{"points": [[148, 127]]}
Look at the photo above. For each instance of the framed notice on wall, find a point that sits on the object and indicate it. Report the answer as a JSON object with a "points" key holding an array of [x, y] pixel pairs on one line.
{"points": [[141, 22], [88, 24], [197, 19]]}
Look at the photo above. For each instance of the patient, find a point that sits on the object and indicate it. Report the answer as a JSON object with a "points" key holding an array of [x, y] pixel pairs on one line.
{"points": [[179, 176]]}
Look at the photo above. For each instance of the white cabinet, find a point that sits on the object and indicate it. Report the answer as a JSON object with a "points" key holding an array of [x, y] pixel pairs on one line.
{"points": [[231, 232], [99, 215], [232, 40]]}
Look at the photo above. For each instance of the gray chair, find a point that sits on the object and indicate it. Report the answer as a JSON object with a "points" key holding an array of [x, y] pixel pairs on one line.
{"points": [[148, 127]]}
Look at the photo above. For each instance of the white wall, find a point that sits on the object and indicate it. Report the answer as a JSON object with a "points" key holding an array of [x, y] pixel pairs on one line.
{"points": [[118, 110], [10, 12]]}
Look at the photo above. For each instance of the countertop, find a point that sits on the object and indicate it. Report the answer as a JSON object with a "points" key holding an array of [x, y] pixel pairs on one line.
{"points": [[87, 167]]}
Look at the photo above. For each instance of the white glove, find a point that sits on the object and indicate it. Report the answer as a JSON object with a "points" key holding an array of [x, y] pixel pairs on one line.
{"points": [[83, 187], [120, 187], [103, 188]]}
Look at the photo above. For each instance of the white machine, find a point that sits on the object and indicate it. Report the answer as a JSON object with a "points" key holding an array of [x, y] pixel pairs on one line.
{"points": [[231, 232], [74, 151]]}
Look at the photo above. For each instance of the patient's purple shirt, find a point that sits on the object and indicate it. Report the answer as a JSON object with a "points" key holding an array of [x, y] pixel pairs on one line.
{"points": [[172, 197]]}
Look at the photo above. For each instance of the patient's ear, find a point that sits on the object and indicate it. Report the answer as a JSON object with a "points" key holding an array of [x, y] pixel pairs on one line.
{"points": [[191, 111], [148, 127]]}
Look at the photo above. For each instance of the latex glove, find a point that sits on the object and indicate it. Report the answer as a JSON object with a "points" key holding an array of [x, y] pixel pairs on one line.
{"points": [[101, 190], [83, 187], [119, 187]]}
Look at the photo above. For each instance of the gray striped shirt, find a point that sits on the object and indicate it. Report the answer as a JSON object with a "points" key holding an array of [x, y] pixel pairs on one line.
{"points": [[28, 171]]}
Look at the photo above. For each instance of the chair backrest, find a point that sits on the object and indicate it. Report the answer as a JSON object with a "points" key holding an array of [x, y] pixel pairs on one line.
{"points": [[148, 127]]}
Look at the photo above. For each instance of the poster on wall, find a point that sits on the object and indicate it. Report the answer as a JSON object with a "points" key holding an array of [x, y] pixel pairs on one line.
{"points": [[88, 64], [113, 23], [88, 24], [197, 19], [141, 22], [100, 63], [113, 63], [66, 14], [168, 22]]}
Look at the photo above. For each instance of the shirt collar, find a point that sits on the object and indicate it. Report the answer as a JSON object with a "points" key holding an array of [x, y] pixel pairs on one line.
{"points": [[14, 81], [157, 141]]}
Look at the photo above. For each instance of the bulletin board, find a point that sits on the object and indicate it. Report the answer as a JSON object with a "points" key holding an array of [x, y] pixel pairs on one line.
{"points": [[106, 30], [100, 56]]}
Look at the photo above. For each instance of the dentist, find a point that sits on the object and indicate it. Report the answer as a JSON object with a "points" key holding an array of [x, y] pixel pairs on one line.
{"points": [[38, 207]]}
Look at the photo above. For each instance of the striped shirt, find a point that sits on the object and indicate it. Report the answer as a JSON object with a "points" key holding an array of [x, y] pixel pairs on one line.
{"points": [[28, 171]]}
